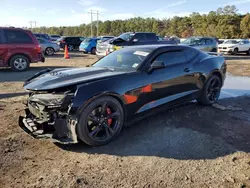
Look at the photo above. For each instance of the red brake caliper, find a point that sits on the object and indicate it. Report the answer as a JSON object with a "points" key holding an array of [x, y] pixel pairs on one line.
{"points": [[109, 120]]}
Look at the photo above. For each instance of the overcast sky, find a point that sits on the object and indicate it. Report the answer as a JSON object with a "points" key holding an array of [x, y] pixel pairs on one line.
{"points": [[18, 13]]}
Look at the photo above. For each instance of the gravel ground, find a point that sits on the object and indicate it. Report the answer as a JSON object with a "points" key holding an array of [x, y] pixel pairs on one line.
{"points": [[189, 146]]}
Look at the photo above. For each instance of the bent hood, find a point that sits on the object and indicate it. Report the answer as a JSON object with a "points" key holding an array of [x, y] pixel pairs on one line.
{"points": [[58, 78]]}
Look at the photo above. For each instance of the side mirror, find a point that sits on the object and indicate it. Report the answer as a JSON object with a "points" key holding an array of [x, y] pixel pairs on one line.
{"points": [[135, 40], [156, 65], [241, 43]]}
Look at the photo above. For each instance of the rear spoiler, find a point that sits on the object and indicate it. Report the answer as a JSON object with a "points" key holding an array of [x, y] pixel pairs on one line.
{"points": [[215, 53]]}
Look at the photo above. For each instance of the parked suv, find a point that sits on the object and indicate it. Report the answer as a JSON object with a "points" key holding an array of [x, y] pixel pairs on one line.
{"points": [[73, 43], [207, 44], [19, 48], [235, 46]]}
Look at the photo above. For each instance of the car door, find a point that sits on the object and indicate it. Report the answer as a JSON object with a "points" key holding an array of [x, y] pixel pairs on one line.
{"points": [[245, 45], [209, 45], [174, 82], [3, 48], [140, 39], [202, 45]]}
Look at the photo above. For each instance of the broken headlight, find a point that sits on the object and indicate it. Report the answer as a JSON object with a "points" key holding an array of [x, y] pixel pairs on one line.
{"points": [[51, 100]]}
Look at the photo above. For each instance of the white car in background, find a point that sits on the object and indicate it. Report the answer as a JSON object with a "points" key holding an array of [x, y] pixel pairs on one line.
{"points": [[235, 46]]}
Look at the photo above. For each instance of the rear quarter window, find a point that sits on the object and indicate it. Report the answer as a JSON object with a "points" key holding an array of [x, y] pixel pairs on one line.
{"points": [[177, 57], [151, 37], [17, 37]]}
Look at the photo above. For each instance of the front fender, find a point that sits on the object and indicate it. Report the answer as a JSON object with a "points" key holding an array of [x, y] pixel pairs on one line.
{"points": [[88, 92]]}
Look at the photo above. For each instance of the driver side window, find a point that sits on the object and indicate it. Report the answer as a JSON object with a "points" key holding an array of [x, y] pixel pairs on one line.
{"points": [[171, 58]]}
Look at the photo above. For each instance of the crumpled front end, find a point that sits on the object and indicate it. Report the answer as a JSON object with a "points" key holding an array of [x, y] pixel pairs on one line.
{"points": [[47, 116]]}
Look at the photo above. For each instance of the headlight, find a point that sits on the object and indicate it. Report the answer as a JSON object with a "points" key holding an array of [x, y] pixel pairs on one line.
{"points": [[231, 47], [49, 99]]}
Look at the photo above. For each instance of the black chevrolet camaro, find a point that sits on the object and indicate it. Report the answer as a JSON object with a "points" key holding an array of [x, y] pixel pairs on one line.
{"points": [[92, 104]]}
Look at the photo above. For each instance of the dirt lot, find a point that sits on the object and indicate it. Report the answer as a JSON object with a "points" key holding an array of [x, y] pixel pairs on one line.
{"points": [[190, 146]]}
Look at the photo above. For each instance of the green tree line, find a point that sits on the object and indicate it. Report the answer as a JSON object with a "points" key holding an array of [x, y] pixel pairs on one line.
{"points": [[222, 23]]}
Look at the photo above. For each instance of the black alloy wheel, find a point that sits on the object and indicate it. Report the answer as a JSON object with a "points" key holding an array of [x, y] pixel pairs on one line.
{"points": [[101, 121], [211, 91]]}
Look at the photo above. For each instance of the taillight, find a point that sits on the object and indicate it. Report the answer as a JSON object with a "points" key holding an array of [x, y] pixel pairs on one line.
{"points": [[38, 49]]}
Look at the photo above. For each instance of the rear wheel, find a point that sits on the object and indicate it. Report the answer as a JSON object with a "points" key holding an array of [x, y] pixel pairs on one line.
{"points": [[211, 91], [70, 47], [19, 63], [101, 121], [49, 51], [93, 51]]}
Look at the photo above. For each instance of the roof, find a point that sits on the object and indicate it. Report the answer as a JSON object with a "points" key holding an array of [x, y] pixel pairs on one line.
{"points": [[153, 47]]}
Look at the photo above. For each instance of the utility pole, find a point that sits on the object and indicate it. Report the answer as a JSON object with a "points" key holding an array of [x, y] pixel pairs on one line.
{"points": [[97, 23], [91, 12], [30, 22], [35, 23]]}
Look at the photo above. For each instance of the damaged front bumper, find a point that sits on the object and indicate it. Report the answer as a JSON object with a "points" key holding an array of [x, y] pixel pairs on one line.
{"points": [[62, 130]]}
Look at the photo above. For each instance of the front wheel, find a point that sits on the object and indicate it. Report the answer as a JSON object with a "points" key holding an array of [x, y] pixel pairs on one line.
{"points": [[211, 91], [235, 52], [101, 121]]}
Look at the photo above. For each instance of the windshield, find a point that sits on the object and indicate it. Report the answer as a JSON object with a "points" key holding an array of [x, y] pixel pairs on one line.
{"points": [[87, 40], [231, 42], [192, 41], [126, 36], [124, 59], [104, 39]]}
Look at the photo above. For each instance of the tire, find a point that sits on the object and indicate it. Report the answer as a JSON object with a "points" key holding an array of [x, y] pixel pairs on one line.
{"points": [[205, 95], [236, 51], [93, 51], [95, 129], [248, 52], [70, 47], [49, 51], [19, 63]]}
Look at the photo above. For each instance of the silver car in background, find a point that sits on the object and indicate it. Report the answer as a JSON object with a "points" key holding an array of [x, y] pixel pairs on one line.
{"points": [[49, 48], [207, 44], [102, 45]]}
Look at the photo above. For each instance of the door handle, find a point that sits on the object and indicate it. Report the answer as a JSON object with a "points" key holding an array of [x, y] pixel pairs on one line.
{"points": [[187, 69]]}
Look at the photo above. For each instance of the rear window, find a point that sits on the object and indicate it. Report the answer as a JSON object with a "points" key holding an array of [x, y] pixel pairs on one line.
{"points": [[56, 36], [1, 37], [17, 37]]}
